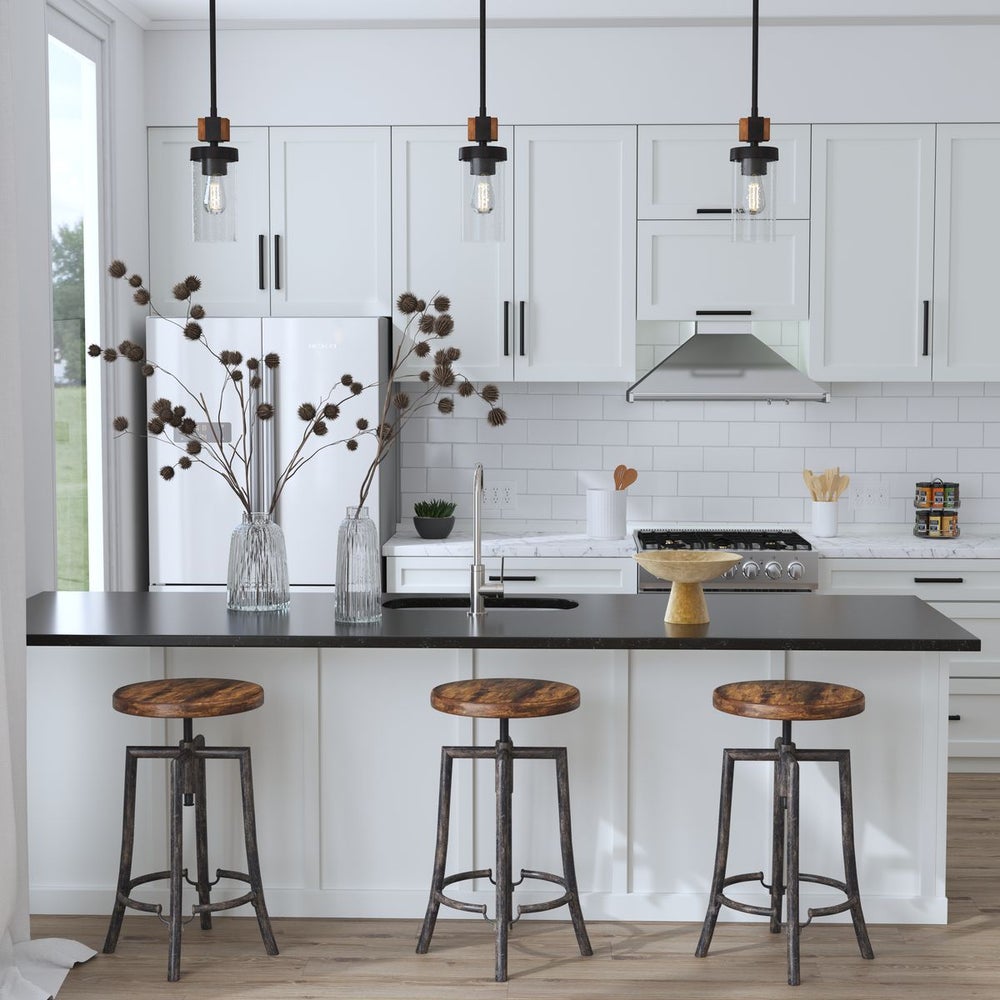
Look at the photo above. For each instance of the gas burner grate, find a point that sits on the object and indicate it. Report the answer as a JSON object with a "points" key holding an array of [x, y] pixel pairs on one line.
{"points": [[737, 539]]}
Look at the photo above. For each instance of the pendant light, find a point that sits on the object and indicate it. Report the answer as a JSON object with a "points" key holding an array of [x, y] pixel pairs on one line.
{"points": [[482, 186], [213, 167], [754, 168]]}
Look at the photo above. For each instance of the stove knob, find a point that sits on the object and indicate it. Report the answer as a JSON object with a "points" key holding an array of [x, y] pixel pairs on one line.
{"points": [[795, 570], [773, 570], [751, 569], [731, 572]]}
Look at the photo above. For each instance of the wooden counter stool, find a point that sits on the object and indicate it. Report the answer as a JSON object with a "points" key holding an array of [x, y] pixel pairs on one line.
{"points": [[188, 699], [787, 701], [504, 699]]}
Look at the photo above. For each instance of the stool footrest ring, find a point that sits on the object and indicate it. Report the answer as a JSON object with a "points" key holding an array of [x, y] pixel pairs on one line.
{"points": [[225, 904]]}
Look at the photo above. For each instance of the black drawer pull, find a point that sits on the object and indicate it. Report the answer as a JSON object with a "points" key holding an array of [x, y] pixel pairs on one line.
{"points": [[927, 327], [714, 211], [506, 329], [261, 239], [723, 312], [514, 579], [939, 579], [277, 263], [520, 332], [954, 718]]}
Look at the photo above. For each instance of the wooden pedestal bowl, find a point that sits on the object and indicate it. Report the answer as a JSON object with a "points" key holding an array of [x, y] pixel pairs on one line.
{"points": [[687, 571]]}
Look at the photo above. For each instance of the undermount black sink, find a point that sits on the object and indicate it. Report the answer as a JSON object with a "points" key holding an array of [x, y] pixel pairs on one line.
{"points": [[435, 601]]}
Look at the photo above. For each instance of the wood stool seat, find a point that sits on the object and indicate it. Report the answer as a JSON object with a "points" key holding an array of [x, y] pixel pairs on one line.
{"points": [[505, 698], [188, 698], [794, 701]]}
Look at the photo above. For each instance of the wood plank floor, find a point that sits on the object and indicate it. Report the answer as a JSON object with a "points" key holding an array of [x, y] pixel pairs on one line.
{"points": [[362, 959]]}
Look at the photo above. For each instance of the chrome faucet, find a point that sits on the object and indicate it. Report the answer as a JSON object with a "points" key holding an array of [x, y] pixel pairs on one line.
{"points": [[478, 587]]}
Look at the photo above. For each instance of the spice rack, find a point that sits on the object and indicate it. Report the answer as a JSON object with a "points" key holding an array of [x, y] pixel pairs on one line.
{"points": [[936, 504]]}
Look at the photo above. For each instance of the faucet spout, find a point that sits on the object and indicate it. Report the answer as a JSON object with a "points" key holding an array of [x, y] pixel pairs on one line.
{"points": [[478, 587]]}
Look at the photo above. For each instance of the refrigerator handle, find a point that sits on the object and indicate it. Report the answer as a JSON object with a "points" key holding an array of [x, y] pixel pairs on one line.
{"points": [[277, 263]]}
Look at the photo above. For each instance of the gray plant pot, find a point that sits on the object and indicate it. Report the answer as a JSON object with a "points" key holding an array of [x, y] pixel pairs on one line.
{"points": [[434, 527]]}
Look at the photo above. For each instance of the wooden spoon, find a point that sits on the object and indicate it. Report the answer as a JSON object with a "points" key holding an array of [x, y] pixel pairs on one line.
{"points": [[628, 477], [620, 471]]}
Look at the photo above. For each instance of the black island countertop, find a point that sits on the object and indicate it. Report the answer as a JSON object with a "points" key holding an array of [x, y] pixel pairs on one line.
{"points": [[739, 621]]}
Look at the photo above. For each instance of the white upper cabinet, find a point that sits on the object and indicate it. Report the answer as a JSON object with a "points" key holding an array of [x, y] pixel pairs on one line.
{"points": [[555, 301], [312, 228], [965, 346], [685, 173], [688, 266], [872, 252]]}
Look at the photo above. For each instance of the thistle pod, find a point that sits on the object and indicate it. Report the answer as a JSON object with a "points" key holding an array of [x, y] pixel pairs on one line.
{"points": [[193, 447], [180, 412], [439, 357], [357, 388], [192, 331], [490, 393], [466, 389], [426, 324], [446, 404], [117, 269], [197, 312], [236, 375], [225, 357], [425, 376], [94, 350], [155, 426], [109, 354], [307, 412], [120, 424], [192, 283], [147, 370], [452, 354], [422, 349], [135, 280], [236, 357], [184, 462], [180, 291], [361, 424], [421, 305], [346, 379], [331, 411], [167, 472], [141, 297], [408, 303], [135, 353], [188, 426], [496, 417], [176, 421], [253, 364], [125, 347], [271, 360], [401, 400], [352, 445], [255, 382], [442, 303], [444, 376], [265, 411], [319, 428], [443, 325], [162, 408]]}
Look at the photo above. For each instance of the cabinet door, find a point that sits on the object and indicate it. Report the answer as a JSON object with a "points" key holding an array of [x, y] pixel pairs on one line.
{"points": [[330, 222], [693, 271], [685, 173], [429, 255], [872, 259], [965, 345], [230, 272], [574, 253]]}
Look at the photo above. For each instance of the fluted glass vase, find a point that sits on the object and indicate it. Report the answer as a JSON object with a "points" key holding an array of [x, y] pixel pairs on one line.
{"points": [[359, 569], [258, 566]]}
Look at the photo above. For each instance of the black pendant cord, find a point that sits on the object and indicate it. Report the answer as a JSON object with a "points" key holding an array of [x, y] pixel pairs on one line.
{"points": [[211, 55], [482, 58], [753, 62]]}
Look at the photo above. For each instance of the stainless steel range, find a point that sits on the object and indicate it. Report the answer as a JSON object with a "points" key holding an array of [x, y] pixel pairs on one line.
{"points": [[773, 560]]}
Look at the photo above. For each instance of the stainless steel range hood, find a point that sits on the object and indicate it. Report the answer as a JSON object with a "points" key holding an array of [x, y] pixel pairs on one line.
{"points": [[726, 366]]}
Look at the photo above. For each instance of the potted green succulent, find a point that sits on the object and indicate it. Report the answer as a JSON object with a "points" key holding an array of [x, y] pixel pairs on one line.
{"points": [[434, 518]]}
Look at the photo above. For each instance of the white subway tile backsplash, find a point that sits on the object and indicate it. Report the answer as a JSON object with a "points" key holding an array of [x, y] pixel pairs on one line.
{"points": [[717, 461]]}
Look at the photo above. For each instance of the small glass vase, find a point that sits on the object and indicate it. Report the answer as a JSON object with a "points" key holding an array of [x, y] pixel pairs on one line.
{"points": [[258, 566], [359, 569]]}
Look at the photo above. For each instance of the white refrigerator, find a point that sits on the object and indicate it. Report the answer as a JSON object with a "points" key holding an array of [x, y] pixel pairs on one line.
{"points": [[192, 515]]}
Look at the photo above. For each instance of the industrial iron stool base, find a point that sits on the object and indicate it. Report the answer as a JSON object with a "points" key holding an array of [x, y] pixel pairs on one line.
{"points": [[188, 699], [504, 699], [787, 701]]}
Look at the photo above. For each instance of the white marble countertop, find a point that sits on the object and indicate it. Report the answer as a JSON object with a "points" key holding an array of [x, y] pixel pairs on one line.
{"points": [[879, 541]]}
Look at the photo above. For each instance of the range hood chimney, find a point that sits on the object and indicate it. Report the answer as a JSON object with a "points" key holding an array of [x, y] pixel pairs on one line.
{"points": [[726, 365]]}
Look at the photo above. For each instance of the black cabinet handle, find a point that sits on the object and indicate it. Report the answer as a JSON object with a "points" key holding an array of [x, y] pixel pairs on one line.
{"points": [[954, 718], [506, 328], [260, 261], [927, 327], [520, 331], [723, 312], [714, 211], [277, 263], [517, 579], [939, 579]]}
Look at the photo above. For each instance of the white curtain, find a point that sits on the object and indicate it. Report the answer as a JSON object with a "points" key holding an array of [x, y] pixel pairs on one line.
{"points": [[29, 970]]}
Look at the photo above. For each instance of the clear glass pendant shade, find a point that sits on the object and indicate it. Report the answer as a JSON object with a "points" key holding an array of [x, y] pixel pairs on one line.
{"points": [[754, 201], [213, 204], [483, 205]]}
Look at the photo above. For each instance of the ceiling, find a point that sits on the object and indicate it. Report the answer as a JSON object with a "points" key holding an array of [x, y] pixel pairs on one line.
{"points": [[416, 13]]}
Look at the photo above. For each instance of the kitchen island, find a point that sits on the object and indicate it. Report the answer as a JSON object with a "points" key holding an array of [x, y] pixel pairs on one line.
{"points": [[346, 746]]}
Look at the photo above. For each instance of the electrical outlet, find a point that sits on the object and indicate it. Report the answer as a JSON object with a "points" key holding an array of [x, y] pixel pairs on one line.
{"points": [[872, 496], [500, 496]]}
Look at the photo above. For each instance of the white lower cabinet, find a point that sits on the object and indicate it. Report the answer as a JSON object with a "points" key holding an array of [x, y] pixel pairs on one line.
{"points": [[521, 575], [968, 592]]}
